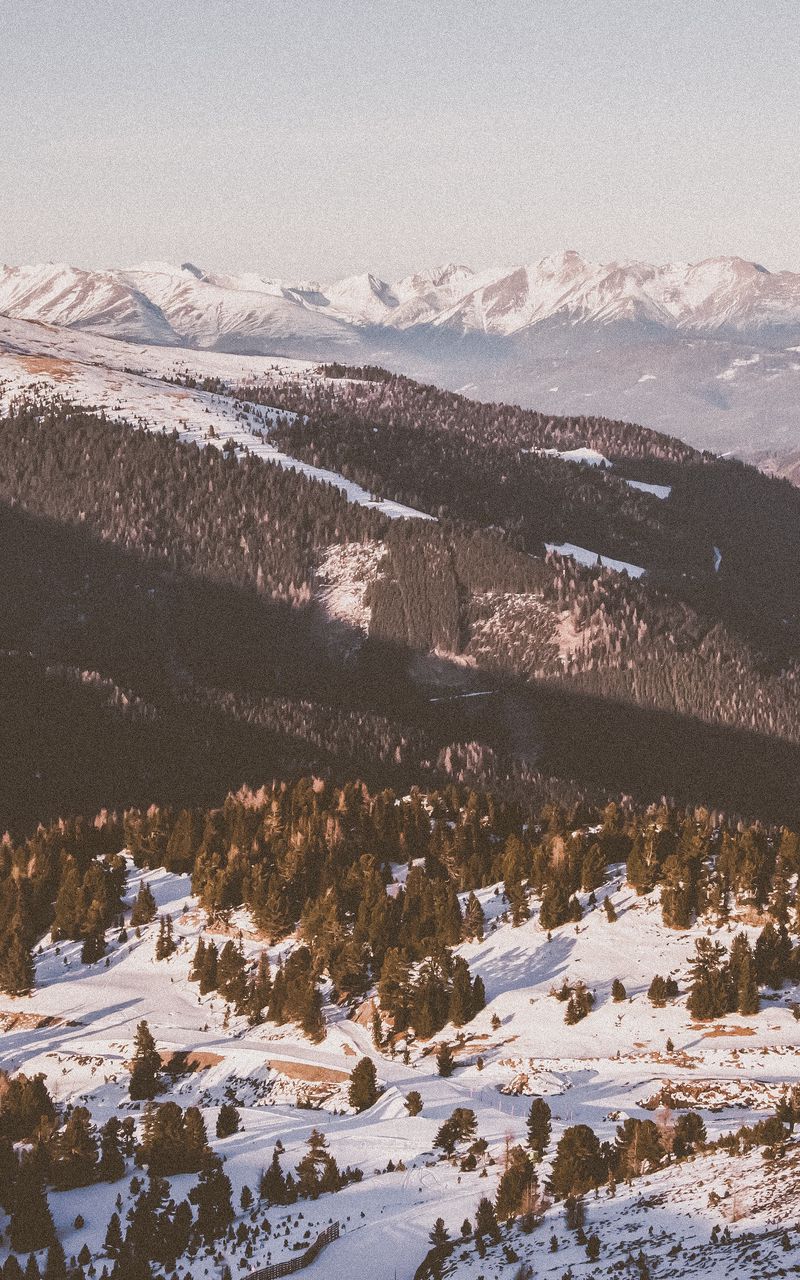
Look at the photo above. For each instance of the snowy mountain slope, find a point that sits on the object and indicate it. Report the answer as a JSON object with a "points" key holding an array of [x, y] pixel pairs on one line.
{"points": [[102, 301], [232, 314], [706, 351], [128, 384], [78, 1026]]}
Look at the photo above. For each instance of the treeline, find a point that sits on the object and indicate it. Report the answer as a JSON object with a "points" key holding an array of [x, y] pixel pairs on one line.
{"points": [[318, 858]]}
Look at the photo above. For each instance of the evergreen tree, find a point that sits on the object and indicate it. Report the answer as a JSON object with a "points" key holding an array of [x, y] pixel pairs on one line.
{"points": [[474, 921], [165, 943], [31, 1222], [212, 1196], [146, 1066], [439, 1236], [618, 992], [579, 1164], [478, 995], [413, 1102], [94, 946], [517, 1187], [16, 961], [657, 992], [638, 1147], [112, 1161], [144, 908], [198, 961], [445, 1062], [461, 998], [113, 1239], [709, 995], [556, 908], [56, 1265], [747, 998], [228, 1120], [363, 1092], [486, 1220], [208, 976], [76, 1152], [272, 1185], [539, 1127]]}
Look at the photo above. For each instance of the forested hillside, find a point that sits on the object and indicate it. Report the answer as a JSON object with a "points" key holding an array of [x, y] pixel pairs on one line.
{"points": [[162, 610]]}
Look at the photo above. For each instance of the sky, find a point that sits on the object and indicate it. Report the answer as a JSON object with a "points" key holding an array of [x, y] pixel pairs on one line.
{"points": [[314, 138]]}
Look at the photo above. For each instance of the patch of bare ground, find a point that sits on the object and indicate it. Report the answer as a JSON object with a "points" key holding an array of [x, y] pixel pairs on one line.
{"points": [[722, 1030], [60, 370], [18, 1021], [182, 1061], [307, 1072]]}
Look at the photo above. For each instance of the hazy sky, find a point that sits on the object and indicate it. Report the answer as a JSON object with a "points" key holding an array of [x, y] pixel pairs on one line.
{"points": [[319, 137]]}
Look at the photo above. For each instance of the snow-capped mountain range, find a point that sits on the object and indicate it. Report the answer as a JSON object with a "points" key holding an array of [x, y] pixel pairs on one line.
{"points": [[159, 302], [709, 351]]}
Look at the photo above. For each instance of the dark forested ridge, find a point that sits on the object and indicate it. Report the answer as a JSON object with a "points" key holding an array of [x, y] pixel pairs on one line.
{"points": [[160, 638]]}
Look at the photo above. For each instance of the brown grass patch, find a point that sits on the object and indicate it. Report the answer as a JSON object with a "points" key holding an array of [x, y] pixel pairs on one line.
{"points": [[196, 1059], [61, 370], [305, 1071], [13, 1021], [728, 1031]]}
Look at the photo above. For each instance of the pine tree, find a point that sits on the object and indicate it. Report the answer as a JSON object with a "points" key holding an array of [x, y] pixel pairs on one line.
{"points": [[165, 943], [208, 977], [112, 1162], [56, 1266], [618, 992], [461, 1000], [445, 1062], [94, 946], [517, 1185], [478, 995], [146, 1067], [394, 989], [556, 907], [113, 1241], [539, 1127], [474, 920], [747, 998], [486, 1220], [228, 1120], [31, 1223], [579, 1164], [657, 992], [76, 1152], [212, 1196], [12, 1270], [16, 961], [144, 908], [198, 961], [439, 1236], [363, 1092], [272, 1185], [413, 1102]]}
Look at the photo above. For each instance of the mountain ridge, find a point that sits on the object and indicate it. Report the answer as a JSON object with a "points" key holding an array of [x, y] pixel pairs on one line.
{"points": [[709, 351]]}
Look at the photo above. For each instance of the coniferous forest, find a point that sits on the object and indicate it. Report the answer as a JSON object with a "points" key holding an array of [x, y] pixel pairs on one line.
{"points": [[161, 640]]}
